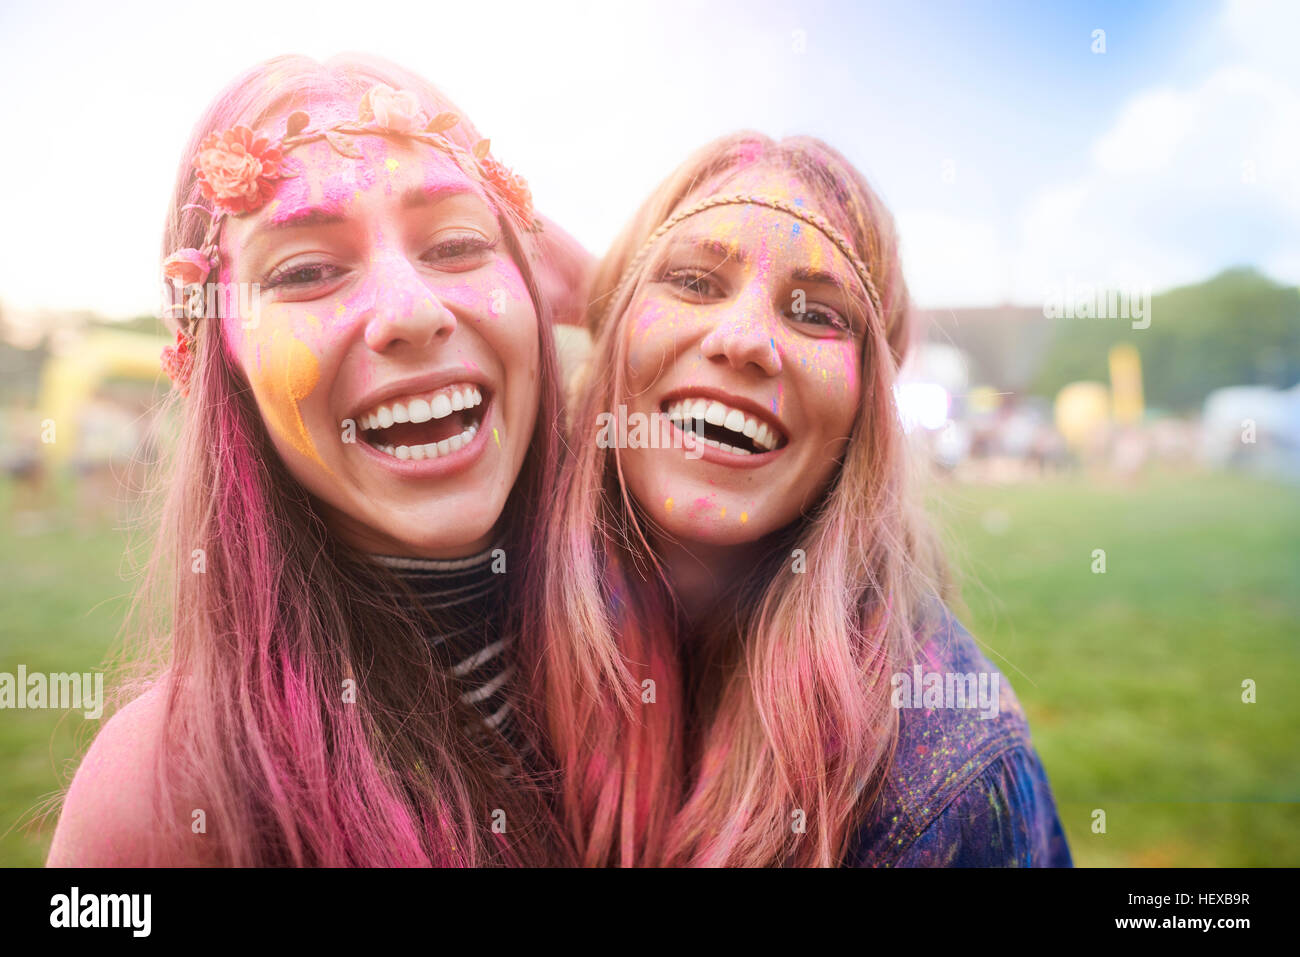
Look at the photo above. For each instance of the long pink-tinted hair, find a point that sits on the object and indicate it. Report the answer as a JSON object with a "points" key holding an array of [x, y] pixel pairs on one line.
{"points": [[256, 649], [776, 708]]}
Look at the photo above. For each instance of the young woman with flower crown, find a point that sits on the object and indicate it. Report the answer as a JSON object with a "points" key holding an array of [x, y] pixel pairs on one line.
{"points": [[348, 528], [729, 601]]}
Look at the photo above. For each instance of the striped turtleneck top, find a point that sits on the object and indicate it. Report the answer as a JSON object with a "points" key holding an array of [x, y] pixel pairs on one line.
{"points": [[465, 600]]}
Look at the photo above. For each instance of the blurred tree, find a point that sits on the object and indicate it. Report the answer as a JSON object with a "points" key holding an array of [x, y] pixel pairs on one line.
{"points": [[1239, 328]]}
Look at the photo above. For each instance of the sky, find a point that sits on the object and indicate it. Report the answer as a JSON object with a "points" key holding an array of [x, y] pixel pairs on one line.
{"points": [[1015, 154]]}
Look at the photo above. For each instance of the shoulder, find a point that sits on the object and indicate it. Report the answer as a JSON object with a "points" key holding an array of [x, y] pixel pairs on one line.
{"points": [[109, 814], [965, 786]]}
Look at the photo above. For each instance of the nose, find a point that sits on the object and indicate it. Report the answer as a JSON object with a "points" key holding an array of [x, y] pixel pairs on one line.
{"points": [[404, 310], [745, 335]]}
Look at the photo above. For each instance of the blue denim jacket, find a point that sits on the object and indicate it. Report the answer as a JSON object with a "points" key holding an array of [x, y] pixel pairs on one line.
{"points": [[962, 791]]}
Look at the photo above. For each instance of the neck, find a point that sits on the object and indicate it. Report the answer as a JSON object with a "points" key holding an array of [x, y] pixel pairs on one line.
{"points": [[701, 574]]}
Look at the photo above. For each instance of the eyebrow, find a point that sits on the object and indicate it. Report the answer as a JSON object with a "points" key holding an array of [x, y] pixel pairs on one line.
{"points": [[430, 193], [332, 214], [734, 253], [323, 215], [804, 274], [717, 247]]}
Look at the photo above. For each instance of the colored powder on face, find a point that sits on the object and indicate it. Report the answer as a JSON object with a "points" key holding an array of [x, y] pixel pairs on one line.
{"points": [[701, 504], [744, 517], [724, 512], [496, 435], [287, 372], [668, 504], [392, 164]]}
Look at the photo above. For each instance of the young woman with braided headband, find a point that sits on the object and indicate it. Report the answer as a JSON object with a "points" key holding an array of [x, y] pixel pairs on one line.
{"points": [[349, 523], [738, 574]]}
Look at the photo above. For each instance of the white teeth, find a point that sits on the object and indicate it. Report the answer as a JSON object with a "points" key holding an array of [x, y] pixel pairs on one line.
{"points": [[420, 411], [433, 449], [733, 420], [433, 406]]}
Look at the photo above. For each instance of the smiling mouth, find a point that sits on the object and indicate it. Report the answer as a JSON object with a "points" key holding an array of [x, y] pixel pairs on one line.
{"points": [[720, 426], [425, 425]]}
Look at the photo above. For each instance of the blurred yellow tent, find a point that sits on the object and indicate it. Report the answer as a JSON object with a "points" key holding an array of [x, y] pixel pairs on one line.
{"points": [[71, 378]]}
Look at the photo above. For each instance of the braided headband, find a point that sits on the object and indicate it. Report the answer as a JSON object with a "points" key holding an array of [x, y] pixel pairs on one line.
{"points": [[771, 202], [239, 172]]}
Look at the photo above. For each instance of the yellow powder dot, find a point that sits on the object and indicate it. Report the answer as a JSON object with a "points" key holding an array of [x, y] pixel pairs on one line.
{"points": [[724, 513], [497, 435], [744, 517], [391, 163], [668, 504]]}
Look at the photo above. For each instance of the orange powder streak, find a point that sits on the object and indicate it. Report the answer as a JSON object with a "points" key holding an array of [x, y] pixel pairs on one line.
{"points": [[287, 372]]}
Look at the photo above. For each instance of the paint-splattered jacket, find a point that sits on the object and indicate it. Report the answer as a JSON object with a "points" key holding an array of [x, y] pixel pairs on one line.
{"points": [[962, 791]]}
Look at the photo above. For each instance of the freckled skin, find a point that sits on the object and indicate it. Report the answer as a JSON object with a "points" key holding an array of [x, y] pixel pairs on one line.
{"points": [[743, 337], [391, 306]]}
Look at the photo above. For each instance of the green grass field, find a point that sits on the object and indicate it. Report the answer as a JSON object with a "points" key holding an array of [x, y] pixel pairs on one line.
{"points": [[1132, 679]]}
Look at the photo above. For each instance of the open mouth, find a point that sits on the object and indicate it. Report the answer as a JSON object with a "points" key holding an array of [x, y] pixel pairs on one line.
{"points": [[426, 425], [722, 427]]}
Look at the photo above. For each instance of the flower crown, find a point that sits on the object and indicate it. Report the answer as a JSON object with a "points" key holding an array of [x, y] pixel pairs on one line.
{"points": [[239, 171]]}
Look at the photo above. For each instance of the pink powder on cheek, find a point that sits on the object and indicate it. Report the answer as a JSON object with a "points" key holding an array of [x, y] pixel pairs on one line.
{"points": [[701, 506], [649, 314], [485, 294]]}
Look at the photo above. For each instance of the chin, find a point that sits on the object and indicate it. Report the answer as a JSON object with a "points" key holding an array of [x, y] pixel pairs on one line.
{"points": [[720, 526], [429, 535]]}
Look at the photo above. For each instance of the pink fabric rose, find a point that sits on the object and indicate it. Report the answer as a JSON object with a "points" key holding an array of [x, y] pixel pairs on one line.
{"points": [[186, 267], [395, 110]]}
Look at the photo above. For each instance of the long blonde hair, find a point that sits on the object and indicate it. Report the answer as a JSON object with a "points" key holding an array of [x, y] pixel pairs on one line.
{"points": [[777, 709]]}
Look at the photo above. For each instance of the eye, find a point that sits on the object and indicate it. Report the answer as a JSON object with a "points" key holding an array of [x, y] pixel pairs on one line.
{"points": [[696, 283], [302, 275], [461, 252], [828, 321]]}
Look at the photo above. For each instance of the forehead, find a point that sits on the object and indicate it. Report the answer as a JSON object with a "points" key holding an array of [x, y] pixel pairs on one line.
{"points": [[389, 171], [759, 236]]}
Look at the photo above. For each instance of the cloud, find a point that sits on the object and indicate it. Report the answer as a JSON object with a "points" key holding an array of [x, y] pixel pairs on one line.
{"points": [[1185, 182]]}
